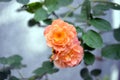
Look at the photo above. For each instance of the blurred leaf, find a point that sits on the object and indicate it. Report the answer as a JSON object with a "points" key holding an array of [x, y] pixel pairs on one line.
{"points": [[86, 47], [85, 10], [84, 73], [53, 71], [51, 5], [4, 73], [13, 78], [92, 39], [111, 51], [64, 3], [3, 60], [100, 24], [3, 76], [22, 1], [89, 58], [33, 22], [96, 72], [40, 71], [48, 65], [99, 9], [32, 7], [79, 30], [47, 21], [109, 4], [5, 0], [88, 78], [117, 34], [40, 14], [17, 65], [14, 59]]}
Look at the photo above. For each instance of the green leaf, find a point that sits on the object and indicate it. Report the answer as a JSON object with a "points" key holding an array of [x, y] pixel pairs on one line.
{"points": [[89, 58], [47, 21], [84, 73], [85, 10], [53, 71], [22, 1], [33, 22], [13, 78], [99, 9], [32, 7], [64, 3], [3, 60], [100, 24], [40, 14], [117, 34], [79, 30], [96, 72], [40, 71], [88, 78], [48, 65], [111, 51], [109, 4], [14, 59], [92, 39], [51, 5], [86, 47], [4, 73]]}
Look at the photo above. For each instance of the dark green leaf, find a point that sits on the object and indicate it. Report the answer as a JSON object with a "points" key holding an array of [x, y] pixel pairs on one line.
{"points": [[40, 71], [84, 73], [48, 65], [100, 24], [22, 1], [111, 51], [88, 78], [32, 7], [40, 14], [109, 4], [79, 30], [3, 60], [13, 78], [64, 3], [4, 73], [48, 21], [89, 58], [96, 72], [53, 71], [85, 10], [51, 5], [33, 22], [86, 47], [117, 34], [92, 39]]}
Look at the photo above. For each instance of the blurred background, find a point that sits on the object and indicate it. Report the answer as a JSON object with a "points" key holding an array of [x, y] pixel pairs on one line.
{"points": [[16, 37]]}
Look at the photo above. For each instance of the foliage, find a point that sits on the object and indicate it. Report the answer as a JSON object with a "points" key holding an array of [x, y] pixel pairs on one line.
{"points": [[90, 15]]}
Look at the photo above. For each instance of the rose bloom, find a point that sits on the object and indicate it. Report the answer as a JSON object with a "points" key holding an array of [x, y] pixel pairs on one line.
{"points": [[70, 58], [59, 35]]}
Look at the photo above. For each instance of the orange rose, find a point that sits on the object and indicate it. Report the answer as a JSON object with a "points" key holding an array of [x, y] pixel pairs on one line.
{"points": [[70, 58], [59, 35]]}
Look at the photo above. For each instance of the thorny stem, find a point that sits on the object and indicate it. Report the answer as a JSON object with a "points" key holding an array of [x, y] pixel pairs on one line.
{"points": [[72, 9]]}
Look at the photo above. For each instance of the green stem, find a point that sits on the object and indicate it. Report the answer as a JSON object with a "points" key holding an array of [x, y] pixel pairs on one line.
{"points": [[20, 74], [72, 9]]}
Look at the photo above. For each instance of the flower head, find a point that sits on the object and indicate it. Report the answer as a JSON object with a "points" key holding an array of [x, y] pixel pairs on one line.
{"points": [[69, 58], [59, 34]]}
